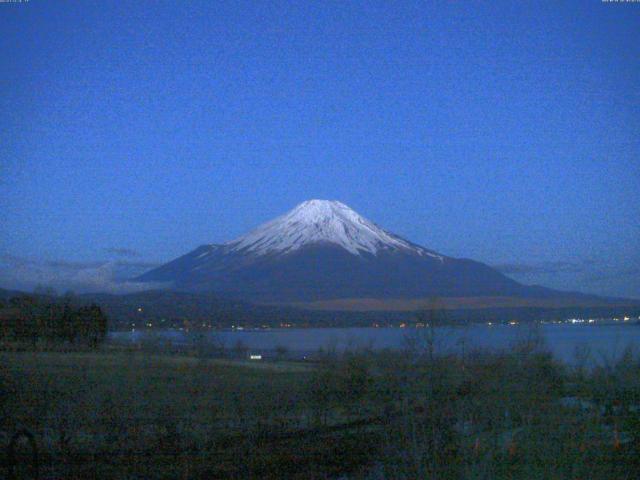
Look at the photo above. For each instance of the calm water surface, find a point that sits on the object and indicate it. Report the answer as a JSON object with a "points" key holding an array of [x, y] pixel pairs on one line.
{"points": [[605, 342]]}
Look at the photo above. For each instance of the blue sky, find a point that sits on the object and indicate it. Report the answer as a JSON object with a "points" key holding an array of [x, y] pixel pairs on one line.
{"points": [[506, 132]]}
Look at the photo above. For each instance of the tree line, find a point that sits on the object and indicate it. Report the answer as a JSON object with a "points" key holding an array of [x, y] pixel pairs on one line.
{"points": [[33, 318]]}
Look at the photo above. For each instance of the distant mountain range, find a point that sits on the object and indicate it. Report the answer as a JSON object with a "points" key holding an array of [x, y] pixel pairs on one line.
{"points": [[324, 255], [323, 264]]}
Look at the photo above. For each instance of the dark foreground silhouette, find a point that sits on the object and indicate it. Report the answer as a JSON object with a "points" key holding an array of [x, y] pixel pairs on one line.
{"points": [[409, 414]]}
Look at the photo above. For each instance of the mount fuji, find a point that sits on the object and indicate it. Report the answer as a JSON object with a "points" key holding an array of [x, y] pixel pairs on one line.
{"points": [[323, 250]]}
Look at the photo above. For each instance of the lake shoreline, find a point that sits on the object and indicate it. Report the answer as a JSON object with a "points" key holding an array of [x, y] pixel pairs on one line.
{"points": [[606, 342]]}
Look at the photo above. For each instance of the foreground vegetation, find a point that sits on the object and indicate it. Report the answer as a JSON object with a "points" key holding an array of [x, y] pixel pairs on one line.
{"points": [[29, 320], [405, 415]]}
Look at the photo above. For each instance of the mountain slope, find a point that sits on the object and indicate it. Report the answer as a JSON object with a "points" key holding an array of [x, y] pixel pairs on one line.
{"points": [[324, 250], [322, 221]]}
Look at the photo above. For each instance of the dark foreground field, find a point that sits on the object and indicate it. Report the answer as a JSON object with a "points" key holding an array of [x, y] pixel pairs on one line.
{"points": [[364, 415]]}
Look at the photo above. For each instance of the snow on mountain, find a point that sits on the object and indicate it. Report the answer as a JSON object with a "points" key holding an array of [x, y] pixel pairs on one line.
{"points": [[322, 221], [324, 250]]}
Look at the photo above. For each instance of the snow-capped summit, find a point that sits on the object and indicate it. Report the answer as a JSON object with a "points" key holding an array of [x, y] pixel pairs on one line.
{"points": [[321, 221], [321, 250]]}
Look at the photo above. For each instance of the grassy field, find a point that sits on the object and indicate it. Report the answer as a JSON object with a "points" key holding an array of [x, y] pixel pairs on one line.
{"points": [[363, 415], [133, 415], [128, 415]]}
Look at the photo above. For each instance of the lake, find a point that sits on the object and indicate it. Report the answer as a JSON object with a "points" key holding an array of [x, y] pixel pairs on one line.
{"points": [[604, 342]]}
